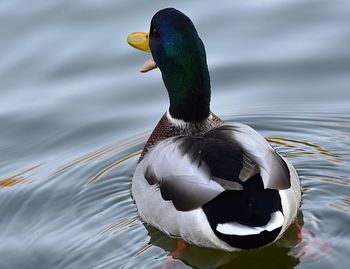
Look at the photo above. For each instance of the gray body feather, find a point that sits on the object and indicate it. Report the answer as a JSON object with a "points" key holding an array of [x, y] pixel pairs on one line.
{"points": [[179, 165]]}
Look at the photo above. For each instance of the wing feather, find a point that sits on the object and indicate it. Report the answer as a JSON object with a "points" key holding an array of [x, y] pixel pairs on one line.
{"points": [[193, 170], [185, 182], [273, 169]]}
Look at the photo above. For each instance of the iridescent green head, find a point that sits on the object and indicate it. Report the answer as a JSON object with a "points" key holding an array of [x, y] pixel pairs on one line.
{"points": [[179, 53]]}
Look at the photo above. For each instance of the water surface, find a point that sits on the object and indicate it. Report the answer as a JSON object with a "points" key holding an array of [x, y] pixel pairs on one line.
{"points": [[75, 113]]}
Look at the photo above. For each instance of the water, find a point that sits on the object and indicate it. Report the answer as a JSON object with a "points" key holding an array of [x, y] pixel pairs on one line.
{"points": [[75, 113]]}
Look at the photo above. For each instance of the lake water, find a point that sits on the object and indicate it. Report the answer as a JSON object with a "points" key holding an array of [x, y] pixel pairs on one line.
{"points": [[75, 113]]}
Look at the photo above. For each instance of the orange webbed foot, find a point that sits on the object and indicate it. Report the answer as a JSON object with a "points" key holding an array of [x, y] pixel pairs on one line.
{"points": [[173, 263]]}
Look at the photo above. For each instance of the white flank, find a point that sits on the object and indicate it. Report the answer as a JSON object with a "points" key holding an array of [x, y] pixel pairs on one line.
{"points": [[234, 228]]}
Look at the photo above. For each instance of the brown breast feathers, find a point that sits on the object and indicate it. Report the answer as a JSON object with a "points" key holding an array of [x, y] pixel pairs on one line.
{"points": [[165, 129]]}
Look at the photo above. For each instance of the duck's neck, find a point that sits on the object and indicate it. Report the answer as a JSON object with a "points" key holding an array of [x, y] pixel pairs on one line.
{"points": [[191, 108], [188, 85]]}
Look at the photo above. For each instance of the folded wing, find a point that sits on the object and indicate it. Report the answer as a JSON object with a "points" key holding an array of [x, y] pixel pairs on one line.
{"points": [[192, 170]]}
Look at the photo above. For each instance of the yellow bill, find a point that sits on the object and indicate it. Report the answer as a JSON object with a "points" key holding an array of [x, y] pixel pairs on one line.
{"points": [[140, 40]]}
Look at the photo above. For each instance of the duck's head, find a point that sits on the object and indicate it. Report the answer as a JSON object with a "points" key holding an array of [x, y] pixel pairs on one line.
{"points": [[180, 55]]}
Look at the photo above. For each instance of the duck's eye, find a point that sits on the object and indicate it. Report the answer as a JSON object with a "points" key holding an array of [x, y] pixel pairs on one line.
{"points": [[155, 32]]}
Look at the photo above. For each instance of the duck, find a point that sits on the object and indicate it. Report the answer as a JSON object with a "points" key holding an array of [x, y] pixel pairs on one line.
{"points": [[210, 183]]}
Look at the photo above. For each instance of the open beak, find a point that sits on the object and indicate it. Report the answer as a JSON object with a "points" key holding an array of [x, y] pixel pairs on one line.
{"points": [[140, 40]]}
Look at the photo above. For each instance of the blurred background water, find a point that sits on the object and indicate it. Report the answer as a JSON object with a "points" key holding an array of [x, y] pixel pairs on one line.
{"points": [[75, 113]]}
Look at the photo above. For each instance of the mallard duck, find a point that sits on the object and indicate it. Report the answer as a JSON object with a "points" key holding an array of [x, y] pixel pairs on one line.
{"points": [[213, 184]]}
